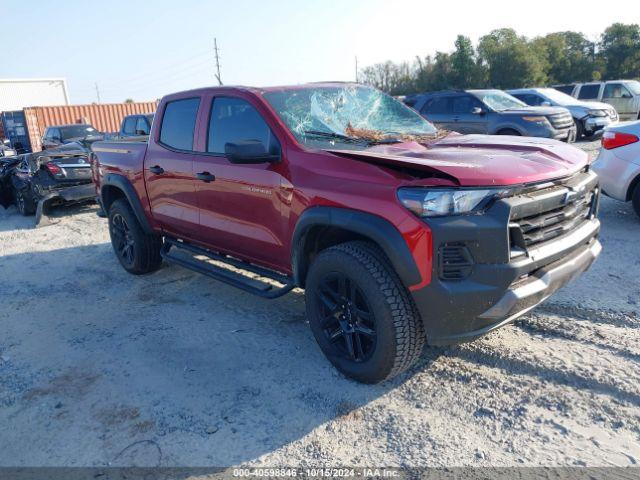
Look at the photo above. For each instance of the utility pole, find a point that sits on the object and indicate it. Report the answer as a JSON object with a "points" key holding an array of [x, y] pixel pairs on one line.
{"points": [[97, 92], [356, 69], [215, 50]]}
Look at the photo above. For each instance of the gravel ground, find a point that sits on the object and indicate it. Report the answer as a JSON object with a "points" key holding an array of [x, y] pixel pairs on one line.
{"points": [[98, 367]]}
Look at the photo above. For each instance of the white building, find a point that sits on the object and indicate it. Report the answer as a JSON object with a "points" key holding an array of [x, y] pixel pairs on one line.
{"points": [[18, 93]]}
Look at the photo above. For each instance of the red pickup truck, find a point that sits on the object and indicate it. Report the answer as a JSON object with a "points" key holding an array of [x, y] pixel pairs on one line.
{"points": [[400, 235]]}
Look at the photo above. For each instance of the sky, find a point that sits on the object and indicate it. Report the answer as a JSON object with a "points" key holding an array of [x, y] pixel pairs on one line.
{"points": [[145, 49]]}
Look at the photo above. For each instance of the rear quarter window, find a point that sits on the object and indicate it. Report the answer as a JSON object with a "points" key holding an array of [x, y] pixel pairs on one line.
{"points": [[178, 123], [568, 89], [589, 92]]}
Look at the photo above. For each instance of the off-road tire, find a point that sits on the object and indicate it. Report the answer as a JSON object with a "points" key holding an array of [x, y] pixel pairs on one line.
{"points": [[635, 199], [398, 327], [24, 203], [509, 131], [145, 249]]}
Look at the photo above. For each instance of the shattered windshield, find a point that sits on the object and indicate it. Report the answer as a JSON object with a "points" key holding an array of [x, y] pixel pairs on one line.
{"points": [[350, 114], [498, 100]]}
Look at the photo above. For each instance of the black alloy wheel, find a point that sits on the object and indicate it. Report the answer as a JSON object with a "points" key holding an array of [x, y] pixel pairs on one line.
{"points": [[347, 320], [122, 239]]}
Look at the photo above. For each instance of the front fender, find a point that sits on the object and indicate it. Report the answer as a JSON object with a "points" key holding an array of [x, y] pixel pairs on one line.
{"points": [[375, 228]]}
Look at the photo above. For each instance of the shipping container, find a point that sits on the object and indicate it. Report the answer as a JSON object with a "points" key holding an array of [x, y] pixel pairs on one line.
{"points": [[14, 128], [18, 93], [105, 117]]}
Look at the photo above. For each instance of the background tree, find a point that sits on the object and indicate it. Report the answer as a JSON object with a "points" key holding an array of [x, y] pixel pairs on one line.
{"points": [[620, 51], [505, 59], [466, 69], [511, 60], [567, 56], [394, 78]]}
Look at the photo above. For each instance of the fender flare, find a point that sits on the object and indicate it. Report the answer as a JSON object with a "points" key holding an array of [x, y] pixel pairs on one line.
{"points": [[122, 183], [373, 227]]}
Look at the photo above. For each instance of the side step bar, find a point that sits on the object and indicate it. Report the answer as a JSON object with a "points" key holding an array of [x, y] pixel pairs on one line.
{"points": [[257, 287]]}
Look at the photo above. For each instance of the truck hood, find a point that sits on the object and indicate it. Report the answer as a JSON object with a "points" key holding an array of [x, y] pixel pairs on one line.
{"points": [[480, 160], [591, 105]]}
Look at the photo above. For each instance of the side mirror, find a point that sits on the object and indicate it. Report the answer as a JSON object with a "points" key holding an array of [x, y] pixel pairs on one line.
{"points": [[248, 151], [477, 111], [546, 104]]}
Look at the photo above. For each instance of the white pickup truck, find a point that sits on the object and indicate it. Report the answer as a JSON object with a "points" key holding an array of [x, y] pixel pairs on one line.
{"points": [[623, 95]]}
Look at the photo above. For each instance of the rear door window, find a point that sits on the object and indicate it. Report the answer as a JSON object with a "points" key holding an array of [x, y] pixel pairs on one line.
{"points": [[142, 127], [129, 126], [464, 104], [178, 123], [437, 106], [235, 120], [530, 99], [589, 92]]}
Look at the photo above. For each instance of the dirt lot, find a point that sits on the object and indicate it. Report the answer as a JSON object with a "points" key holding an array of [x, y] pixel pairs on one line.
{"points": [[99, 367]]}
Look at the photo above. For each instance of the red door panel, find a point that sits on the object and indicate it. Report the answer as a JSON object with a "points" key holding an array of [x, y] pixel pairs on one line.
{"points": [[241, 210], [172, 193]]}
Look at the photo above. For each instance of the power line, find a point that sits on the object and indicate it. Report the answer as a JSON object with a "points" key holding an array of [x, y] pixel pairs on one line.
{"points": [[215, 50]]}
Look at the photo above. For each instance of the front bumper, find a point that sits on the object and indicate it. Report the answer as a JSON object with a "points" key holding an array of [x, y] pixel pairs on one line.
{"points": [[595, 124], [565, 135], [502, 284], [73, 194]]}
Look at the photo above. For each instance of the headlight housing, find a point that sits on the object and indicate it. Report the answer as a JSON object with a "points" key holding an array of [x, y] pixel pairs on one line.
{"points": [[536, 118], [438, 202], [597, 113]]}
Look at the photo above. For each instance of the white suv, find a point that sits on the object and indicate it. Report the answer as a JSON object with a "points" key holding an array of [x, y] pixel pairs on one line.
{"points": [[618, 164], [623, 95]]}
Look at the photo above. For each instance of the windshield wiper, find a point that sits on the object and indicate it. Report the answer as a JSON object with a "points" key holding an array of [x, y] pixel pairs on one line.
{"points": [[346, 138]]}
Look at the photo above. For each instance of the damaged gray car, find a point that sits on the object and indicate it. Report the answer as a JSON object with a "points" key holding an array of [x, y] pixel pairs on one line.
{"points": [[52, 177]]}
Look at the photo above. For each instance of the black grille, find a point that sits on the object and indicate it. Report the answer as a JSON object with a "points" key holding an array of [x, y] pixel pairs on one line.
{"points": [[456, 262], [560, 121], [553, 211]]}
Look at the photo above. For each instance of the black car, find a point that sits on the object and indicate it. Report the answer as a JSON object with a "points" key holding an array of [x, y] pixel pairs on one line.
{"points": [[57, 135], [492, 112], [56, 176]]}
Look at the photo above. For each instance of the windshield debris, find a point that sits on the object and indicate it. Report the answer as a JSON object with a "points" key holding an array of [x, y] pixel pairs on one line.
{"points": [[352, 114]]}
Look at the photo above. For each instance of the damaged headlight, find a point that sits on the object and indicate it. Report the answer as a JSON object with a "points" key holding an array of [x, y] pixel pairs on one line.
{"points": [[596, 113], [439, 202]]}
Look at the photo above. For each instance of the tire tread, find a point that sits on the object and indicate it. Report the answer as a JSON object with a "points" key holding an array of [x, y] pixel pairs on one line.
{"points": [[149, 245], [410, 337]]}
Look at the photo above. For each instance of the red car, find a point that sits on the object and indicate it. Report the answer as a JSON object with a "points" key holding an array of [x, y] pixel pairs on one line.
{"points": [[399, 234]]}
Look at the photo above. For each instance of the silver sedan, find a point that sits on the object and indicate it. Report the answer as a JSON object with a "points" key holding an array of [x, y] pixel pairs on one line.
{"points": [[618, 164]]}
